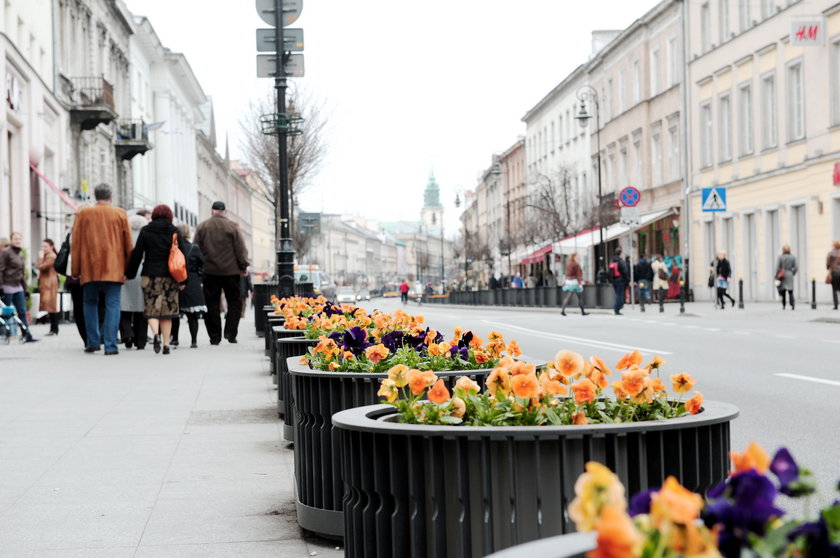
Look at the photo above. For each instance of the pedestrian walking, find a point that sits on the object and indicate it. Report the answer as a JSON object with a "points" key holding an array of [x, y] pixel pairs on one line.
{"points": [[246, 289], [133, 325], [643, 273], [832, 264], [785, 271], [100, 248], [191, 298], [160, 290], [619, 276], [516, 282], [530, 281], [13, 283], [550, 279], [404, 291], [225, 260], [48, 283], [659, 269], [573, 284], [723, 274]]}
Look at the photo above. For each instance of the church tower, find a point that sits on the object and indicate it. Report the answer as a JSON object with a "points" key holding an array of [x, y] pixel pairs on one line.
{"points": [[432, 212]]}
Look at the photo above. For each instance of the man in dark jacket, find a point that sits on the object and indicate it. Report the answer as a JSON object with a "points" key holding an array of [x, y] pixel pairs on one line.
{"points": [[225, 261], [643, 273], [619, 276]]}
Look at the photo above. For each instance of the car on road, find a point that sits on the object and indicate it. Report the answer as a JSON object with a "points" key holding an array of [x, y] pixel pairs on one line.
{"points": [[363, 294], [345, 295], [321, 282]]}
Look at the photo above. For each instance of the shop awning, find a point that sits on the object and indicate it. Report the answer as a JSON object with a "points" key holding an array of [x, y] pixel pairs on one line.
{"points": [[537, 256], [64, 197], [591, 237]]}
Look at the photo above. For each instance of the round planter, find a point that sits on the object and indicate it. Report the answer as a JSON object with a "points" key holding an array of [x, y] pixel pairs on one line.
{"points": [[575, 545], [261, 299], [276, 332], [318, 456], [271, 321], [288, 347], [415, 490]]}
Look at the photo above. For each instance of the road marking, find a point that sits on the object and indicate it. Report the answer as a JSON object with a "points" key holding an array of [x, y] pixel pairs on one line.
{"points": [[711, 329], [604, 345], [809, 379]]}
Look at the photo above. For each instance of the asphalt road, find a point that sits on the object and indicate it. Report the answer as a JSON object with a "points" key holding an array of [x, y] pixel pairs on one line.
{"points": [[780, 369]]}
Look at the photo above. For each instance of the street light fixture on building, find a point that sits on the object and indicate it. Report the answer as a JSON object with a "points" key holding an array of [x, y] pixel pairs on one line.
{"points": [[585, 94]]}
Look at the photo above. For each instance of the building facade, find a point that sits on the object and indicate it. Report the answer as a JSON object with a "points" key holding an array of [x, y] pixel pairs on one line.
{"points": [[765, 104]]}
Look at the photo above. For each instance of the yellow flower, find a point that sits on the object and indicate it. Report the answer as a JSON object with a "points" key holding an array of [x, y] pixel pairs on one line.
{"points": [[458, 407], [387, 389], [595, 489], [682, 382], [498, 381], [466, 384], [397, 374], [655, 363]]}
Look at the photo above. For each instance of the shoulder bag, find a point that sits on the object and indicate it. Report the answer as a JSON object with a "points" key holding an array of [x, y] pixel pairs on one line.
{"points": [[63, 256], [177, 262]]}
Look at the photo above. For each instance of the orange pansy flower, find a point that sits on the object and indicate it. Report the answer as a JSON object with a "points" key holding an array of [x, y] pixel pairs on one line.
{"points": [[481, 357], [458, 407], [598, 363], [387, 389], [333, 366], [397, 374], [525, 386], [633, 381], [620, 394], [675, 503], [569, 363], [682, 382], [656, 385], [466, 384], [377, 353], [552, 387], [585, 391], [439, 394], [694, 404], [617, 535], [520, 367], [580, 418], [513, 348], [754, 458], [597, 377], [655, 363], [498, 381], [629, 360], [430, 337], [418, 380]]}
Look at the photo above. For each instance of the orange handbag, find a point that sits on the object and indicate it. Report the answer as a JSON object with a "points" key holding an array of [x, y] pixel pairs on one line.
{"points": [[177, 262]]}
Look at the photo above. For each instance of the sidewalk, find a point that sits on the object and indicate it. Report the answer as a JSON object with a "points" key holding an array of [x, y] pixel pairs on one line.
{"points": [[144, 454]]}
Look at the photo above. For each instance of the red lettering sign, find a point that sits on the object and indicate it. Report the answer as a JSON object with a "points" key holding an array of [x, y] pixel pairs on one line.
{"points": [[836, 175], [807, 32]]}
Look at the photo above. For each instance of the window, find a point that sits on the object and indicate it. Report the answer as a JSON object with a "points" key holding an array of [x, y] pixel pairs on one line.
{"points": [[637, 158], [605, 104], [705, 28], [654, 72], [795, 108], [706, 134], [560, 131], [622, 163], [568, 126], [723, 22], [835, 82], [637, 82], [673, 64], [767, 8], [610, 98], [622, 90], [768, 111], [744, 15], [725, 127], [745, 119], [656, 155], [674, 155], [553, 142]]}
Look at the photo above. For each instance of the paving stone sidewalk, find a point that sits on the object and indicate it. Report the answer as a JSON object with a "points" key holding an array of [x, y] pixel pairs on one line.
{"points": [[142, 455]]}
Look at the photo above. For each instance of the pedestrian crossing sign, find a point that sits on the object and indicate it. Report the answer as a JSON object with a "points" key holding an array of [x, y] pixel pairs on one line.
{"points": [[714, 199]]}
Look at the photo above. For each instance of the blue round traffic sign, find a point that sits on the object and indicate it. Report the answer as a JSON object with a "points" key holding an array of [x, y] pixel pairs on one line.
{"points": [[630, 197]]}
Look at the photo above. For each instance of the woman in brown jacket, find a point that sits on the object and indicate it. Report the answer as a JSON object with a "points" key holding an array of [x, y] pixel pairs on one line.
{"points": [[48, 283], [13, 286], [832, 263], [573, 284]]}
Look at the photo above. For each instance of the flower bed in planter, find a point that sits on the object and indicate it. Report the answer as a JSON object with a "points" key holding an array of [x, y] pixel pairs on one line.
{"points": [[288, 348], [276, 333], [317, 396], [418, 490]]}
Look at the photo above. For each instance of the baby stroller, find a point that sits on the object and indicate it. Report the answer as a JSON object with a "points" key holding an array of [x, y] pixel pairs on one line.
{"points": [[10, 324]]}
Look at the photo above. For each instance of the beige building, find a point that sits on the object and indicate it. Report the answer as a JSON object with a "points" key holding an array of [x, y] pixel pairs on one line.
{"points": [[766, 111], [637, 81]]}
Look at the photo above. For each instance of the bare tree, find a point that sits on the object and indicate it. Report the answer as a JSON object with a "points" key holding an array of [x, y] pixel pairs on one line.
{"points": [[306, 151]]}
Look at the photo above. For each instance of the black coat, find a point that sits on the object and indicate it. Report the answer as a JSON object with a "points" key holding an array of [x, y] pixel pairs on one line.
{"points": [[723, 269], [193, 294], [153, 244], [643, 271], [624, 273]]}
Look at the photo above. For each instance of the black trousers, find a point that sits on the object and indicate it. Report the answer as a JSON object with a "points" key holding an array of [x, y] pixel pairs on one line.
{"points": [[192, 323], [214, 285], [134, 326], [78, 309]]}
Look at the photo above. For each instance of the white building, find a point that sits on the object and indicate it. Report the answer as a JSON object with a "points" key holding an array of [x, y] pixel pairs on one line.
{"points": [[32, 129]]}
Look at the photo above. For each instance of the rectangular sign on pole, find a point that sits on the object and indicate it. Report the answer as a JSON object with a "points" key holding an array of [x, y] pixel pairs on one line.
{"points": [[714, 199], [267, 65], [292, 40], [630, 216], [807, 31]]}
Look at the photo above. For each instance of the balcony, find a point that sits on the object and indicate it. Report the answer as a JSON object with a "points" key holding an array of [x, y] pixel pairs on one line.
{"points": [[92, 102], [132, 139]]}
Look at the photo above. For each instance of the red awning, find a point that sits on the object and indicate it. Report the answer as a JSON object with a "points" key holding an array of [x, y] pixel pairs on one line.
{"points": [[64, 197], [537, 256]]}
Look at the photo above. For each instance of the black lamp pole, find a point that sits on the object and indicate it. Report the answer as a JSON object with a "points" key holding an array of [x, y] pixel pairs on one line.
{"points": [[584, 94], [285, 252]]}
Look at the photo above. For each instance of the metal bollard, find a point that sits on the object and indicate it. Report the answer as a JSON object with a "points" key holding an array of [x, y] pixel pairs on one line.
{"points": [[682, 297], [661, 300], [813, 293], [641, 299], [741, 293]]}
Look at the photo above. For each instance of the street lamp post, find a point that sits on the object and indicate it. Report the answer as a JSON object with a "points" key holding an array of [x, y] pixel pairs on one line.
{"points": [[584, 94], [466, 234], [434, 220]]}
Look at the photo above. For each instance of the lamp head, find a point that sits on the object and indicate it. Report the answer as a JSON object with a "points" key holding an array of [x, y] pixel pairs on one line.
{"points": [[583, 116]]}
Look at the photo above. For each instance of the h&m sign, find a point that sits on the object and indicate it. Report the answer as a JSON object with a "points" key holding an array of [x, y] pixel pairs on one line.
{"points": [[808, 31]]}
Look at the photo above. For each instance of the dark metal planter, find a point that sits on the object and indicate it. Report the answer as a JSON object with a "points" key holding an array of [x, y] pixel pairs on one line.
{"points": [[262, 298], [575, 545], [413, 490], [272, 321], [277, 332], [318, 457], [287, 347]]}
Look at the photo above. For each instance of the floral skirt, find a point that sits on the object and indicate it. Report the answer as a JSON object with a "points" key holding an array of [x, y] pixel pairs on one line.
{"points": [[160, 297]]}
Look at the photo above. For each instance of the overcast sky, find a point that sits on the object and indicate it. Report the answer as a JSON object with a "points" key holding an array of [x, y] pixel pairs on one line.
{"points": [[409, 86]]}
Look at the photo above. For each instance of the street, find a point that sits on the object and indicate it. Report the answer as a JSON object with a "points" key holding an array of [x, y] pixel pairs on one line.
{"points": [[780, 368]]}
